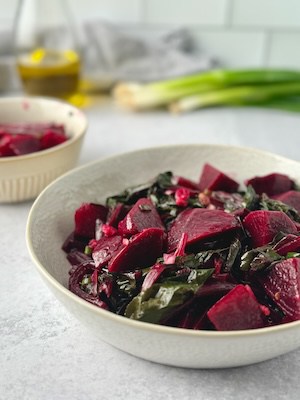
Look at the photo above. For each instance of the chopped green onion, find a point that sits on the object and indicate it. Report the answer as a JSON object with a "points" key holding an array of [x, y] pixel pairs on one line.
{"points": [[292, 254], [88, 250], [85, 281]]}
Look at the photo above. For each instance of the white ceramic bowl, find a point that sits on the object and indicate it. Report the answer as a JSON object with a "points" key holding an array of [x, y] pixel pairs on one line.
{"points": [[54, 209], [24, 177]]}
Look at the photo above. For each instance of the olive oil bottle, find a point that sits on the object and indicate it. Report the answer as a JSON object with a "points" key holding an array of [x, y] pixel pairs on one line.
{"points": [[47, 52]]}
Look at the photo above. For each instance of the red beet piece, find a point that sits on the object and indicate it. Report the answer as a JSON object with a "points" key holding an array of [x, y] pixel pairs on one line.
{"points": [[74, 242], [237, 310], [141, 251], [5, 149], [262, 226], [85, 218], [291, 198], [282, 284], [200, 224], [51, 138], [153, 275], [182, 196], [74, 285], [187, 183], [288, 244], [17, 145], [116, 214], [213, 179], [106, 248], [214, 288], [271, 184], [143, 215]]}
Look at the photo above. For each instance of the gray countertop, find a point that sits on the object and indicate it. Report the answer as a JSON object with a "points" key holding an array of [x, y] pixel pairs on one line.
{"points": [[47, 354]]}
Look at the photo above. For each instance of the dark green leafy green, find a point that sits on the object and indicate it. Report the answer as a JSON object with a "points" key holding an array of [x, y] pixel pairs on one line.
{"points": [[259, 259], [274, 205], [233, 254], [129, 196], [161, 298], [154, 303], [126, 282], [163, 180], [251, 199], [199, 276], [157, 191], [230, 202]]}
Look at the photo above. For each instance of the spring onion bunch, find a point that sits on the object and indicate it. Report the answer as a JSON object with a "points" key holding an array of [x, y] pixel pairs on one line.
{"points": [[263, 87]]}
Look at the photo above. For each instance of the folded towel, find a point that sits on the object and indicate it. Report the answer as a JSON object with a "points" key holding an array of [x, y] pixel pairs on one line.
{"points": [[119, 55]]}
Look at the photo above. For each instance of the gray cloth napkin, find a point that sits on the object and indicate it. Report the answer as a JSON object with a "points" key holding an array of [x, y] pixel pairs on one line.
{"points": [[118, 55]]}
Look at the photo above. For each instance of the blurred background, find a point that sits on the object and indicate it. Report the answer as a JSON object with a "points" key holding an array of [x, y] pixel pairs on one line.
{"points": [[238, 33]]}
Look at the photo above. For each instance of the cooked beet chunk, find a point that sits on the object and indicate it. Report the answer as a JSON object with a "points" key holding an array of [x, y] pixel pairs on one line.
{"points": [[141, 251], [187, 183], [5, 149], [200, 224], [143, 215], [282, 284], [106, 248], [237, 310], [271, 184], [74, 242], [289, 243], [213, 179], [52, 138], [116, 214], [291, 198], [18, 145], [85, 219], [263, 226]]}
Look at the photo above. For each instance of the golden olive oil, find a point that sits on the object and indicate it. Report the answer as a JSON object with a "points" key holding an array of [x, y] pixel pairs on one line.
{"points": [[50, 72]]}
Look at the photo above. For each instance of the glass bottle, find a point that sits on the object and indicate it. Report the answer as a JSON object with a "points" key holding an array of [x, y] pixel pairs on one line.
{"points": [[46, 47]]}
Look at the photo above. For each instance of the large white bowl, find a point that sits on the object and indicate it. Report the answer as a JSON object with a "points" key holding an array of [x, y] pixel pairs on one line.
{"points": [[24, 177], [51, 220]]}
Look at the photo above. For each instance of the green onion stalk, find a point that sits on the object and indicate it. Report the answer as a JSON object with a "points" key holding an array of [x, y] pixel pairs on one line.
{"points": [[265, 95], [138, 96]]}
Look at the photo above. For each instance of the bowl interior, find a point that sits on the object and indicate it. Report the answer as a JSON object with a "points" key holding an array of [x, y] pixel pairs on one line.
{"points": [[54, 209], [15, 110]]}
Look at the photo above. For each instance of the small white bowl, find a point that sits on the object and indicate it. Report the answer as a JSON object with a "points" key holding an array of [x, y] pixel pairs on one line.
{"points": [[24, 177], [51, 220]]}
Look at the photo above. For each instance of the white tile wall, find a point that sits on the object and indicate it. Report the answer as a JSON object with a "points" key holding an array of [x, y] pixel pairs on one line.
{"points": [[115, 10], [266, 13], [239, 32], [204, 12], [235, 48], [285, 50], [7, 9]]}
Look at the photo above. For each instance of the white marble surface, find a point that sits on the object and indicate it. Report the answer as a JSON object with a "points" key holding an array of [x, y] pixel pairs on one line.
{"points": [[46, 354]]}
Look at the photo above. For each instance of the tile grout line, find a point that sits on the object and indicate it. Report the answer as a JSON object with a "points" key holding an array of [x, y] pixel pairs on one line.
{"points": [[267, 48], [212, 27], [142, 11], [229, 14]]}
